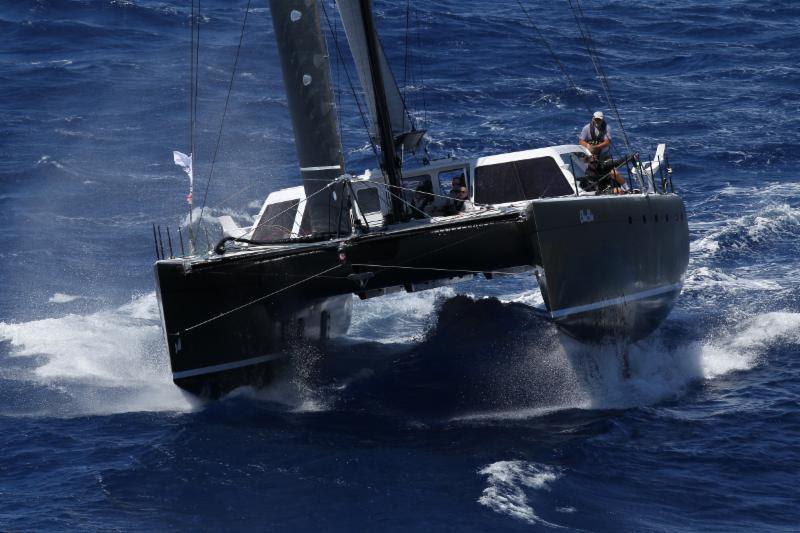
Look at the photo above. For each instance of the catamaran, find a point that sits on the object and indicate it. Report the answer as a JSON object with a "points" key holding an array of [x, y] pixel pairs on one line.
{"points": [[607, 265]]}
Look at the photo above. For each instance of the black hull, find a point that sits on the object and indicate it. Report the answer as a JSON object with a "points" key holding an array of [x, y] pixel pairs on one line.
{"points": [[607, 266], [611, 266]]}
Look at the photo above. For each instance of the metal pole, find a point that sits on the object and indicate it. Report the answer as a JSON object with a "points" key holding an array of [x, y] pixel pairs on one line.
{"points": [[161, 242], [169, 239], [574, 179], [180, 236], [155, 242]]}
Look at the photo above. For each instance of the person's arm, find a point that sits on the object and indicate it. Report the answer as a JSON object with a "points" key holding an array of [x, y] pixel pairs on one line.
{"points": [[583, 138], [599, 147]]}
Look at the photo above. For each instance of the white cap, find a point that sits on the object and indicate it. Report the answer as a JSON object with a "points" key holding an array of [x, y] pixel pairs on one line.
{"points": [[598, 114]]}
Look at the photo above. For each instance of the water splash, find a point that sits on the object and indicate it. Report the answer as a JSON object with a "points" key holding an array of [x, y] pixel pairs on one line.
{"points": [[107, 362]]}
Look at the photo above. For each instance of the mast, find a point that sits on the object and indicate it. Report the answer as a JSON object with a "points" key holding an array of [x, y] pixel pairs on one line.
{"points": [[391, 163], [306, 78], [404, 131]]}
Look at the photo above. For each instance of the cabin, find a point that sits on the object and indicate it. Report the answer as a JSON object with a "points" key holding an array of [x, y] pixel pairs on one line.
{"points": [[496, 180]]}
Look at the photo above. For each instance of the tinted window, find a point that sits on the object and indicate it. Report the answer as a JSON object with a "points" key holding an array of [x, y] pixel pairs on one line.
{"points": [[305, 223], [519, 180], [276, 222], [410, 185], [576, 163], [448, 177], [368, 200]]}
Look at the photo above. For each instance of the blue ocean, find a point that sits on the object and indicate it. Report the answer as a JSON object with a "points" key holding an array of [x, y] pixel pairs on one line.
{"points": [[455, 409]]}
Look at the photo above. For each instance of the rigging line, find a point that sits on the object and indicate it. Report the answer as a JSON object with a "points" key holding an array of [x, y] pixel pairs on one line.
{"points": [[612, 102], [293, 206], [430, 252], [352, 87], [391, 267], [196, 73], [593, 57], [225, 110], [248, 304], [405, 59], [580, 17], [403, 200], [605, 79], [555, 57], [237, 193], [421, 192], [191, 78], [335, 34], [421, 76]]}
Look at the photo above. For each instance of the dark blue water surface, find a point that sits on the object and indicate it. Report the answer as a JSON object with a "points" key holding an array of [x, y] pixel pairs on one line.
{"points": [[442, 410]]}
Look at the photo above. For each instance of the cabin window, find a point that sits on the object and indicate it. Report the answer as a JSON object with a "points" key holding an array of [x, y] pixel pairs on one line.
{"points": [[368, 200], [305, 223], [576, 163], [412, 184], [277, 221], [520, 180], [446, 180]]}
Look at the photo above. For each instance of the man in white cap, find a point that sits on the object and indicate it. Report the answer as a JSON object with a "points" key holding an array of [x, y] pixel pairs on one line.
{"points": [[596, 136]]}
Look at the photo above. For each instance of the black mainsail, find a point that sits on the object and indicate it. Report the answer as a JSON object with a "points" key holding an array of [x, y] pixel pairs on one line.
{"points": [[306, 76]]}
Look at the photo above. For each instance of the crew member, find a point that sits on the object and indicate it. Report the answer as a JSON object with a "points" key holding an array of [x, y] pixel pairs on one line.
{"points": [[596, 136]]}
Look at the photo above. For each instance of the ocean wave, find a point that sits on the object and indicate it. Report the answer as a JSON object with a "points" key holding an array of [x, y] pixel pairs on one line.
{"points": [[107, 362], [771, 225], [572, 375], [706, 278], [61, 298], [507, 482], [396, 318]]}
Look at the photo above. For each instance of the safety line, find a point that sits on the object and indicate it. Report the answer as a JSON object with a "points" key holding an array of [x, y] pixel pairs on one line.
{"points": [[392, 267], [226, 313]]}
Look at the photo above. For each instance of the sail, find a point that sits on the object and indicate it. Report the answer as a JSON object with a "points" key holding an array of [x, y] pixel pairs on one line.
{"points": [[353, 20], [306, 78]]}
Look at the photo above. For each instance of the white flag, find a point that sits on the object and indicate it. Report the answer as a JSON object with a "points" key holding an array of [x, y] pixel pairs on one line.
{"points": [[185, 162]]}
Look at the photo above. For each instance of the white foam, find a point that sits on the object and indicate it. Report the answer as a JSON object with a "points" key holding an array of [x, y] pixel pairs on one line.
{"points": [[769, 223], [573, 375], [396, 318], [507, 481], [289, 392], [106, 362], [531, 297], [657, 373], [709, 278], [61, 298]]}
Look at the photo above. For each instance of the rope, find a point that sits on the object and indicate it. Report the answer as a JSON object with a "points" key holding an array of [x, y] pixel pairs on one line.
{"points": [[405, 202], [391, 267], [430, 252], [192, 76], [406, 55], [235, 309], [225, 110], [584, 30], [420, 192], [293, 206], [555, 57], [350, 82]]}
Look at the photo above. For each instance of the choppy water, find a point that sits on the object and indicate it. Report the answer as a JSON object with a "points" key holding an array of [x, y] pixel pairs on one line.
{"points": [[438, 411]]}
